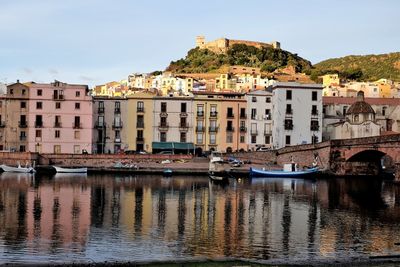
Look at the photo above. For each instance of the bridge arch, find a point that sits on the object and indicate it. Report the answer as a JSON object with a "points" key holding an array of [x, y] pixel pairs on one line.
{"points": [[369, 162]]}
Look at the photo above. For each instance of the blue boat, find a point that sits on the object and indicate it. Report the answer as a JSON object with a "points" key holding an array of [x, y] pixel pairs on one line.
{"points": [[167, 173], [283, 173]]}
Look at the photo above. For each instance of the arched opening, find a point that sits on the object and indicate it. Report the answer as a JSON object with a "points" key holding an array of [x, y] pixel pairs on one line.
{"points": [[369, 162], [198, 151], [229, 150]]}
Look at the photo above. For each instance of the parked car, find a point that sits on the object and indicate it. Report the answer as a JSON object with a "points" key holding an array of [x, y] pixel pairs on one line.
{"points": [[261, 148], [166, 153]]}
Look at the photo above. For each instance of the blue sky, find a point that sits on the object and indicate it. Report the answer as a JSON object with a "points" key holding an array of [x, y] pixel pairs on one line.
{"points": [[95, 41]]}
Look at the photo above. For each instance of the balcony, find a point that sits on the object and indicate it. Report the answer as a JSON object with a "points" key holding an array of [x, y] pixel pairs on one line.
{"points": [[230, 115], [267, 132], [140, 139], [289, 112], [163, 114], [314, 112], [58, 97], [57, 124], [267, 117], [288, 126], [22, 138], [213, 114], [253, 132], [2, 124], [117, 125], [140, 110], [163, 126], [243, 129], [243, 116], [100, 124], [100, 110], [199, 129], [38, 124], [183, 114], [184, 127], [314, 127], [117, 140], [230, 129], [117, 110], [200, 114], [23, 124], [140, 124], [213, 129], [77, 125]]}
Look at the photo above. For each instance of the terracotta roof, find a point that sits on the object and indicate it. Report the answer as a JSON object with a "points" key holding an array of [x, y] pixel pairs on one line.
{"points": [[350, 100], [360, 107]]}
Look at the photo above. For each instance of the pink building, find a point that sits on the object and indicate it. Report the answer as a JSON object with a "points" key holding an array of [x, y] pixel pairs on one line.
{"points": [[60, 118]]}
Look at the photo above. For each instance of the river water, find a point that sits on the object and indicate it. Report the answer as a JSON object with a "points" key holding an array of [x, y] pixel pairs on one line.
{"points": [[98, 218]]}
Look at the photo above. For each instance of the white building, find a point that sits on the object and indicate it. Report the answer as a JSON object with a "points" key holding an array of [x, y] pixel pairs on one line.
{"points": [[173, 124], [259, 119], [296, 114]]}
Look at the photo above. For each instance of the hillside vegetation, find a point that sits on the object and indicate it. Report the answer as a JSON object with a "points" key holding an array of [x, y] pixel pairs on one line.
{"points": [[365, 68], [266, 58]]}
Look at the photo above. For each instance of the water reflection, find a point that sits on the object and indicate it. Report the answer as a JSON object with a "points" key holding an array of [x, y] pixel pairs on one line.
{"points": [[141, 218]]}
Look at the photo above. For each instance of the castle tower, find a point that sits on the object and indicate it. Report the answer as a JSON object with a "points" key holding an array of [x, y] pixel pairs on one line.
{"points": [[200, 41], [276, 45]]}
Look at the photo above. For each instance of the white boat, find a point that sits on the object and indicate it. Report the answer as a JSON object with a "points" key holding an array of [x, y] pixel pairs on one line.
{"points": [[20, 169], [217, 164], [70, 170]]}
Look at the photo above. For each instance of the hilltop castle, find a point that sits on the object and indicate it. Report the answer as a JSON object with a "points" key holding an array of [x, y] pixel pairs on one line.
{"points": [[222, 45]]}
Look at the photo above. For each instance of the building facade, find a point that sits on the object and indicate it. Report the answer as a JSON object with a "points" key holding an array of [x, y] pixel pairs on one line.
{"points": [[296, 113]]}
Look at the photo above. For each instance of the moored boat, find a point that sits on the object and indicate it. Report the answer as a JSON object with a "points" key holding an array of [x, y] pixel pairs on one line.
{"points": [[70, 170], [217, 165], [289, 171], [19, 169]]}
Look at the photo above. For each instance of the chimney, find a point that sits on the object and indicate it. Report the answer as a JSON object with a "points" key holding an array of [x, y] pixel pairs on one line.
{"points": [[17, 81]]}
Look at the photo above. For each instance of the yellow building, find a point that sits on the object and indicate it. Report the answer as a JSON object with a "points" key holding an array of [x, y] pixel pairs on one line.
{"points": [[221, 82], [218, 124], [385, 87], [140, 122], [330, 79]]}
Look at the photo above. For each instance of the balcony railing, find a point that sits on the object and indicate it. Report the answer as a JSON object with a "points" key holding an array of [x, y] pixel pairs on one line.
{"points": [[38, 124], [243, 128], [314, 127], [77, 125], [267, 117], [200, 113], [183, 114], [253, 132], [58, 97], [288, 126], [23, 124], [100, 124], [230, 115], [314, 112], [230, 129], [184, 127], [199, 129], [213, 114], [289, 111], [117, 125], [22, 138], [100, 110], [117, 140], [213, 129], [117, 110], [163, 114], [267, 132], [140, 109], [139, 139], [243, 116], [57, 124], [140, 124], [163, 126]]}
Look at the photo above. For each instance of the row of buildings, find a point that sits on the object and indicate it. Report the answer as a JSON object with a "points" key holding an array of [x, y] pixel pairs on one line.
{"points": [[65, 118]]}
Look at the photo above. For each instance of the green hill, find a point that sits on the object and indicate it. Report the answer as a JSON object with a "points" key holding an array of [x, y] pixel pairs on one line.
{"points": [[365, 68], [266, 58]]}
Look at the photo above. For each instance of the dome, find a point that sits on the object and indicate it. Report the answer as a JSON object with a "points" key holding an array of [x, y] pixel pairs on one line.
{"points": [[360, 106]]}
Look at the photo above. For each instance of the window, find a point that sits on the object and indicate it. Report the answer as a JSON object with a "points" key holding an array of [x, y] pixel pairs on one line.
{"points": [[39, 105], [163, 137], [253, 113], [254, 139], [267, 139], [183, 107], [77, 134], [78, 93], [289, 109], [384, 111], [77, 105], [139, 135], [57, 149], [39, 121], [200, 110], [39, 92], [287, 140], [288, 124], [38, 133], [355, 118], [163, 106], [344, 110], [183, 137], [242, 139], [183, 122], [22, 149], [314, 96], [212, 139], [229, 126], [267, 114], [314, 126], [288, 94], [140, 106], [314, 110], [199, 138], [229, 112], [314, 139], [58, 105], [57, 134], [23, 92], [23, 104], [254, 99], [57, 121], [77, 149], [11, 91], [117, 135], [229, 138], [77, 122], [117, 107], [268, 100], [243, 113]]}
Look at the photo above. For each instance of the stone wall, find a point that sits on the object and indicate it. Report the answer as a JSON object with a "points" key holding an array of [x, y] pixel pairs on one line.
{"points": [[13, 158]]}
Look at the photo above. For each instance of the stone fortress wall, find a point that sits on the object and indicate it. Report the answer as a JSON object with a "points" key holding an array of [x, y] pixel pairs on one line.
{"points": [[222, 45]]}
